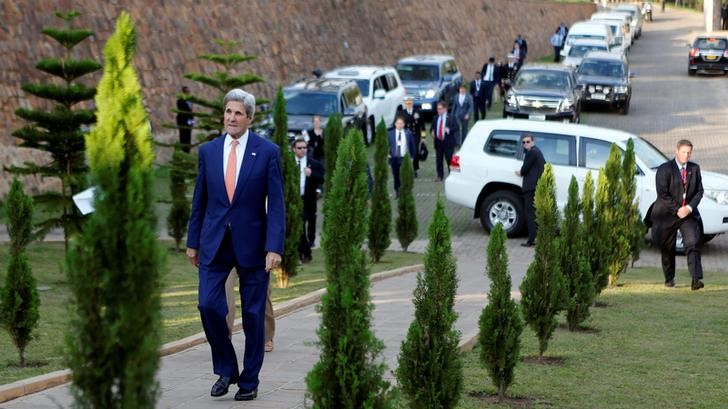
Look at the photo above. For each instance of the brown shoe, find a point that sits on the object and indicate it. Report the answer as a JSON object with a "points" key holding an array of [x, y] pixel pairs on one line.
{"points": [[269, 346]]}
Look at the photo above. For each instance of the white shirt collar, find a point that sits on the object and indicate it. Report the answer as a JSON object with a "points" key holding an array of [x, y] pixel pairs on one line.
{"points": [[243, 139], [679, 166]]}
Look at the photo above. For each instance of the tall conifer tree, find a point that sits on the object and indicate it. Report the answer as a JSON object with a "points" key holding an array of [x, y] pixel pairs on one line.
{"points": [[347, 375], [407, 212], [60, 131], [636, 228], [430, 369], [333, 134], [380, 226], [115, 267], [604, 234]]}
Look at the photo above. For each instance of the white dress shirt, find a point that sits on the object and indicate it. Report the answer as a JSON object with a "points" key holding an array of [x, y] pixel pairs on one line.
{"points": [[488, 73], [461, 99], [239, 151], [401, 140], [302, 163]]}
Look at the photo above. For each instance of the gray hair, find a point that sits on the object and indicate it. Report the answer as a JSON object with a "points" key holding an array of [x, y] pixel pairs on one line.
{"points": [[238, 95]]}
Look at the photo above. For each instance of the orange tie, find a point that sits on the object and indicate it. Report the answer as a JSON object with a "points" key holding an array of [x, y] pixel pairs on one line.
{"points": [[230, 170]]}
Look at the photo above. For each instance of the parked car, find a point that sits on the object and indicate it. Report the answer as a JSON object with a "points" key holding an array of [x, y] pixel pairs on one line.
{"points": [[592, 30], [429, 79], [544, 92], [708, 54], [482, 174], [579, 48], [324, 97], [636, 12], [620, 46], [381, 89], [623, 19], [604, 79]]}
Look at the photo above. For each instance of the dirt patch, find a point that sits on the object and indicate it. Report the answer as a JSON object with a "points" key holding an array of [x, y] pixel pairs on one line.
{"points": [[547, 360], [510, 401]]}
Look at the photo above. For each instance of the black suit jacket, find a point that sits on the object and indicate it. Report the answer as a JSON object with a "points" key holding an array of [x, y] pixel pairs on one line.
{"points": [[412, 122], [478, 94], [184, 115], [496, 72], [532, 168], [409, 138], [668, 184], [312, 183], [316, 145], [451, 131]]}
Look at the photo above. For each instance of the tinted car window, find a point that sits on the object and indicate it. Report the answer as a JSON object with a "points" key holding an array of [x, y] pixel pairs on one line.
{"points": [[711, 43], [579, 50], [542, 79], [379, 83], [363, 87], [594, 153], [503, 143], [651, 156], [557, 149], [602, 68], [310, 103], [392, 82], [417, 72]]}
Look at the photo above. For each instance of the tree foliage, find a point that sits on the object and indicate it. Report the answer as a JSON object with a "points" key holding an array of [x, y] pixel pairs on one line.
{"points": [[543, 290], [380, 227], [113, 338], [575, 260], [19, 299], [615, 212], [407, 212], [347, 375], [59, 131], [636, 228], [181, 170], [500, 323], [604, 234], [430, 369], [334, 133]]}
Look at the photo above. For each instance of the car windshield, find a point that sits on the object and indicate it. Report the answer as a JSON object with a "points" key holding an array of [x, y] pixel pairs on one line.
{"points": [[601, 68], [363, 87], [711, 43], [416, 72], [571, 38], [578, 50], [310, 103], [542, 79], [651, 156]]}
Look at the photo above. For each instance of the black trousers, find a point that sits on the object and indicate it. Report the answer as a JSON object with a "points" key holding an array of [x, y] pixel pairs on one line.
{"points": [[395, 164], [557, 54], [664, 234], [530, 210], [489, 86], [442, 151], [308, 234], [479, 108], [185, 138]]}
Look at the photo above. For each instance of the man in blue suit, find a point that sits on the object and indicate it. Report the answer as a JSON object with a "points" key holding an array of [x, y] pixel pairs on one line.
{"points": [[237, 221], [444, 130], [401, 143]]}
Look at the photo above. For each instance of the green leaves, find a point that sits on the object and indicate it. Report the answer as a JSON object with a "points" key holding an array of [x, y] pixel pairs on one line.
{"points": [[407, 213], [67, 95], [68, 69], [380, 227]]}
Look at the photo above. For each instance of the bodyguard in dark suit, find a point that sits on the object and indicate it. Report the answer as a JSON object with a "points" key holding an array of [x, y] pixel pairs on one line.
{"points": [[184, 120], [531, 170], [316, 139], [413, 123], [477, 91], [311, 176], [491, 78], [462, 106], [679, 191], [401, 143], [444, 132], [237, 221]]}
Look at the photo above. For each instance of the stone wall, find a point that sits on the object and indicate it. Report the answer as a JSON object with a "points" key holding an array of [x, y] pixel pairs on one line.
{"points": [[289, 37]]}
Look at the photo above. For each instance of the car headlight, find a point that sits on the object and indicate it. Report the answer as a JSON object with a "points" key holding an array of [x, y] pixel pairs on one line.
{"points": [[566, 104], [621, 89], [591, 89], [430, 93], [720, 196], [511, 100]]}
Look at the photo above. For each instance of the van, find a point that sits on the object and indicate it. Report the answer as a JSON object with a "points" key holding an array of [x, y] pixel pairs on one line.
{"points": [[621, 40], [623, 18], [590, 30]]}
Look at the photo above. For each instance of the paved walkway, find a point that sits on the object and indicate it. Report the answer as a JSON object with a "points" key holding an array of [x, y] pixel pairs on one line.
{"points": [[666, 105]]}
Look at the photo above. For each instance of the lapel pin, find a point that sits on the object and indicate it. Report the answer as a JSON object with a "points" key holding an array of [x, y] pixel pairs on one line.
{"points": [[253, 153]]}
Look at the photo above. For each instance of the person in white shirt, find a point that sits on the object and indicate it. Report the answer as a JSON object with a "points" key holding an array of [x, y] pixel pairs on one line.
{"points": [[311, 176], [462, 106], [556, 42], [401, 144]]}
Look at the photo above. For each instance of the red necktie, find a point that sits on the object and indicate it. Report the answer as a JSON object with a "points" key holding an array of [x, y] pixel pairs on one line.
{"points": [[684, 175], [230, 170], [440, 133]]}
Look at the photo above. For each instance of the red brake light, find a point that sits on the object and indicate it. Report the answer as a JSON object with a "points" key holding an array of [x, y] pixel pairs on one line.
{"points": [[694, 52], [455, 163]]}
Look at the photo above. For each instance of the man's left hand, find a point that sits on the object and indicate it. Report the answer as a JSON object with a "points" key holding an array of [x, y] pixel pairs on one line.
{"points": [[683, 212], [272, 260]]}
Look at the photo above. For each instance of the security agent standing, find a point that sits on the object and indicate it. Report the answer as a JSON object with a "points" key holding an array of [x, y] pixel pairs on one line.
{"points": [[414, 125], [531, 170]]}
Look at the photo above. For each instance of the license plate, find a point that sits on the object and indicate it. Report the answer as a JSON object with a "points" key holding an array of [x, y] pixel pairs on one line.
{"points": [[599, 96], [711, 57], [538, 117]]}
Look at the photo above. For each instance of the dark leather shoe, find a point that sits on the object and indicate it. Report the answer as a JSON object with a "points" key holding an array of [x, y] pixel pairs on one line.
{"points": [[220, 387], [244, 394], [670, 284], [527, 244], [697, 285]]}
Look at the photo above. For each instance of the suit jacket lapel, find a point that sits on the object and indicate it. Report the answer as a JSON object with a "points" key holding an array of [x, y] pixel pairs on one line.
{"points": [[249, 157], [219, 166]]}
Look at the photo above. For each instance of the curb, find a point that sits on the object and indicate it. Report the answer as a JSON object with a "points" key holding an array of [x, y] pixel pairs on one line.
{"points": [[468, 342], [42, 382]]}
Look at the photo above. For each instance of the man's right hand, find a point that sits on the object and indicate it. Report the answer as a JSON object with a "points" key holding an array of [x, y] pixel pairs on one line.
{"points": [[193, 257]]}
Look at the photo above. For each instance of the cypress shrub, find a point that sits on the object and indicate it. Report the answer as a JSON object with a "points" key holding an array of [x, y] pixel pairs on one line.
{"points": [[333, 133], [543, 290], [604, 235], [636, 229], [113, 337], [575, 261], [500, 323], [19, 299], [615, 216], [347, 375], [181, 169], [380, 226], [430, 369], [407, 212]]}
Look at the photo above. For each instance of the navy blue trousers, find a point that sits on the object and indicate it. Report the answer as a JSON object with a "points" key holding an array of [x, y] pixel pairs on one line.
{"points": [[213, 309]]}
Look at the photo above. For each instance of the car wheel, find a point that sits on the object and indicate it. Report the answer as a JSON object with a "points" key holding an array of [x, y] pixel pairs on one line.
{"points": [[625, 108], [503, 207], [708, 237], [691, 72]]}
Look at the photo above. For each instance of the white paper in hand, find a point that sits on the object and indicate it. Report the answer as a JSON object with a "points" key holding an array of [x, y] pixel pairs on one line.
{"points": [[85, 200]]}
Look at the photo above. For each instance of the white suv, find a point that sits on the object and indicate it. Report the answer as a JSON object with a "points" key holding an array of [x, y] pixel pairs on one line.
{"points": [[482, 173], [380, 88]]}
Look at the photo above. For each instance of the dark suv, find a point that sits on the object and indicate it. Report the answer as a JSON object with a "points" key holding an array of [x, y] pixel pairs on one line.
{"points": [[603, 79], [324, 97], [429, 79], [708, 54], [544, 92]]}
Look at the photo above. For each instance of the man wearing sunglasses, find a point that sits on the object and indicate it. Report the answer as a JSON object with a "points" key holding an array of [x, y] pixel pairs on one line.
{"points": [[311, 176], [531, 171]]}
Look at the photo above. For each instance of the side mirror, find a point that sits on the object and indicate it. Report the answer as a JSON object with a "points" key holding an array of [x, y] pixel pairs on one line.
{"points": [[380, 94]]}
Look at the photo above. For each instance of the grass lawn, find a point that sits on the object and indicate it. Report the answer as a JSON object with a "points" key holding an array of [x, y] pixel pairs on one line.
{"points": [[654, 348], [179, 302]]}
